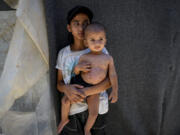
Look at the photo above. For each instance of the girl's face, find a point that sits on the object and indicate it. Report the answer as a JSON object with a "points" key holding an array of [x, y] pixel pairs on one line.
{"points": [[77, 26]]}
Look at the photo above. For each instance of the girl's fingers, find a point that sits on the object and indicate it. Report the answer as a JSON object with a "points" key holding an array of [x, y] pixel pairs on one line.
{"points": [[79, 92], [78, 86], [81, 99], [75, 100]]}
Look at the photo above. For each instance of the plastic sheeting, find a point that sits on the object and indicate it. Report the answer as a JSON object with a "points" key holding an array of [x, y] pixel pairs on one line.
{"points": [[26, 66]]}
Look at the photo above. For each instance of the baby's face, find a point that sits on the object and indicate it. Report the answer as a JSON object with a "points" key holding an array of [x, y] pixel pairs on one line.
{"points": [[95, 41]]}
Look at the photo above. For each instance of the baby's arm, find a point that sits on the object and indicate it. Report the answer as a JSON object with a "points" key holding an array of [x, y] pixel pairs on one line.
{"points": [[82, 65], [114, 82]]}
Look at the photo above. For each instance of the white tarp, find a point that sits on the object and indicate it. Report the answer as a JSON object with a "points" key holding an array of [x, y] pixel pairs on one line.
{"points": [[26, 64], [23, 68]]}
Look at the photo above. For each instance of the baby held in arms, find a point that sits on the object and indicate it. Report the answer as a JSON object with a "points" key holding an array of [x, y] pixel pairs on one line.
{"points": [[100, 66]]}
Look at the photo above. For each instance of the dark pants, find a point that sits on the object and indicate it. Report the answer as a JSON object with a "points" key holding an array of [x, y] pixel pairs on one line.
{"points": [[77, 123]]}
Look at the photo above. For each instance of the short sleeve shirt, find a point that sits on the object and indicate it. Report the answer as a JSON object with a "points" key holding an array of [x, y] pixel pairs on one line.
{"points": [[66, 61]]}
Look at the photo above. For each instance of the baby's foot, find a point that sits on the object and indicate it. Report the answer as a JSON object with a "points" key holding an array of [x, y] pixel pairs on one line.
{"points": [[87, 133], [61, 125]]}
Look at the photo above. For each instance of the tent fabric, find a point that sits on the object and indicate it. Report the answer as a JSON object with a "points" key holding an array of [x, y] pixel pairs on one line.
{"points": [[143, 38]]}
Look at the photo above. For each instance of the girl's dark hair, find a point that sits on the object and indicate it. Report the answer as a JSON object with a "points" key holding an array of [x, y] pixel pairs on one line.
{"points": [[73, 12]]}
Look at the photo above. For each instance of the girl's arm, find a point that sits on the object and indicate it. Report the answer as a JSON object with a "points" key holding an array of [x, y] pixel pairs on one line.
{"points": [[73, 91], [98, 88]]}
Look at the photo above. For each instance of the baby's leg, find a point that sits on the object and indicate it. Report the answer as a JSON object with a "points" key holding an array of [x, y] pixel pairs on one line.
{"points": [[93, 108], [65, 107]]}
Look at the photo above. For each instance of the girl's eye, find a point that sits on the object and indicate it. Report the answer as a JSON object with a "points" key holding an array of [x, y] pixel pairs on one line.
{"points": [[76, 23]]}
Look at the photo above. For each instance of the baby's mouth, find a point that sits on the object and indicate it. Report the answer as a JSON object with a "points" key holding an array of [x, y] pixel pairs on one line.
{"points": [[97, 47]]}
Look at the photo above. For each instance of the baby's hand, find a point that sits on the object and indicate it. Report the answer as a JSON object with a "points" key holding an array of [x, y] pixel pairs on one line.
{"points": [[83, 66], [113, 97]]}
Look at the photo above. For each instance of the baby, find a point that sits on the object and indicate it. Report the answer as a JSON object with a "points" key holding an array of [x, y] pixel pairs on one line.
{"points": [[101, 65]]}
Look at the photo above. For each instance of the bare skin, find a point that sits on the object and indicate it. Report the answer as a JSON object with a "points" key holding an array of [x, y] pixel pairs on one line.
{"points": [[73, 92], [98, 72], [100, 65]]}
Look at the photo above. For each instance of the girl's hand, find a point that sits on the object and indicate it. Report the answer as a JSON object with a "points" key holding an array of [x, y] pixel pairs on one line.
{"points": [[74, 93], [113, 97], [83, 66]]}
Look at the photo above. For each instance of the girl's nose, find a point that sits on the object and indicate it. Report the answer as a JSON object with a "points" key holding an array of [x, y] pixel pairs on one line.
{"points": [[81, 28]]}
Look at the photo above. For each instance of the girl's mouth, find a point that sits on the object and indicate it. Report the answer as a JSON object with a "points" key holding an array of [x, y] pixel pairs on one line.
{"points": [[81, 34]]}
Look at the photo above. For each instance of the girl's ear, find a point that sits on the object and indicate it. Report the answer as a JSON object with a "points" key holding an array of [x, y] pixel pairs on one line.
{"points": [[69, 28]]}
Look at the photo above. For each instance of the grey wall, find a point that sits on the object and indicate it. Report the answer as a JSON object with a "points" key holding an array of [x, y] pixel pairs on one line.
{"points": [[144, 40]]}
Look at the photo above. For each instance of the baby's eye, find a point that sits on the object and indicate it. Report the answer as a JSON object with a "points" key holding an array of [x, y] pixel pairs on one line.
{"points": [[92, 40]]}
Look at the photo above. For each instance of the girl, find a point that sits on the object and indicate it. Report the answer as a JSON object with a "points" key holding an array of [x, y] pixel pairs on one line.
{"points": [[78, 18]]}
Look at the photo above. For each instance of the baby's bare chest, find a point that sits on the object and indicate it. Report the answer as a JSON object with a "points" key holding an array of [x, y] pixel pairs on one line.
{"points": [[98, 72], [98, 62]]}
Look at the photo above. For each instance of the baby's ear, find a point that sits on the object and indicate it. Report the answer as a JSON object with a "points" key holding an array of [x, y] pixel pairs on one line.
{"points": [[69, 28]]}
